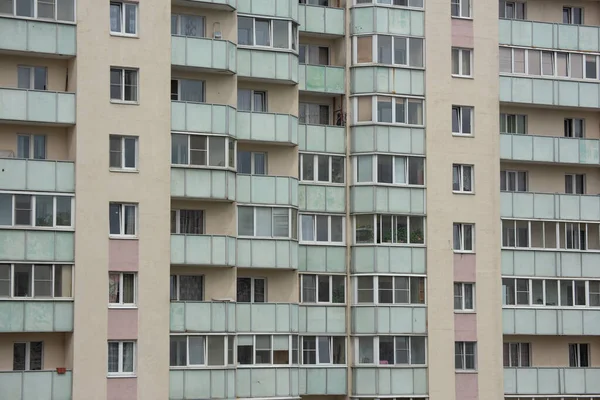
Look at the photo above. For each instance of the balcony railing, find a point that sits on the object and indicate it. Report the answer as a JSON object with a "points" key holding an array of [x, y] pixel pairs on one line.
{"points": [[556, 206], [199, 183], [35, 316], [204, 53], [387, 20], [551, 381], [36, 245], [267, 127], [37, 175], [384, 79], [551, 321], [40, 106], [322, 138], [37, 36], [269, 65], [203, 117], [549, 149], [322, 79], [323, 20], [267, 189], [383, 320], [35, 385], [387, 199], [214, 250], [375, 381], [287, 9], [549, 92]]}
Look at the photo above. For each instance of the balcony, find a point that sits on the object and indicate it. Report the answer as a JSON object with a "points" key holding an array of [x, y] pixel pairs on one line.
{"points": [[549, 35], [36, 245], [197, 183], [322, 79], [320, 319], [384, 320], [545, 263], [35, 316], [39, 106], [268, 65], [201, 384], [211, 55], [37, 175], [265, 189], [35, 385], [550, 206], [209, 317], [540, 321], [387, 199], [277, 381], [323, 381], [386, 20], [326, 259], [287, 9], [266, 317], [213, 250], [547, 92], [37, 36], [387, 139], [377, 381], [551, 381], [322, 138], [202, 117], [388, 259], [387, 80], [322, 20], [548, 149], [267, 127], [322, 198], [267, 253]]}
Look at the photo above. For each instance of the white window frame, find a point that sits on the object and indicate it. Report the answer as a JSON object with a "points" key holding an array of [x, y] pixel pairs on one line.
{"points": [[31, 147], [32, 296], [317, 350], [461, 110], [292, 41], [178, 222], [291, 233], [461, 174], [120, 303], [572, 122], [253, 364], [178, 17], [329, 241], [178, 280], [253, 280], [460, 9], [205, 350], [515, 5], [376, 358], [306, 106], [463, 296], [577, 347], [460, 52], [505, 117], [377, 227], [374, 169], [375, 289], [121, 99], [28, 355], [516, 175], [33, 195], [122, 139], [317, 278], [375, 50], [518, 363], [374, 117], [228, 140], [571, 284], [122, 233], [573, 189], [183, 80], [31, 69], [121, 359], [315, 157], [463, 245], [463, 355], [264, 93], [307, 47], [253, 162], [122, 14], [571, 14]]}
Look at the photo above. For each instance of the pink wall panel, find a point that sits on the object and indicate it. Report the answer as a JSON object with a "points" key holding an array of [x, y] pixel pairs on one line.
{"points": [[466, 386], [464, 267], [122, 324], [123, 255], [465, 327], [121, 389], [462, 33]]}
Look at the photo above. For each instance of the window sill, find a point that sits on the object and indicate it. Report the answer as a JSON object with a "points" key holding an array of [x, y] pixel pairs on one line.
{"points": [[467, 312], [398, 366], [61, 299], [207, 167], [463, 252], [334, 184], [399, 124], [463, 76], [385, 65], [38, 228], [122, 237], [124, 35], [323, 366], [266, 237], [264, 366], [422, 245], [122, 307], [463, 193], [200, 367], [465, 18], [121, 376], [462, 135], [466, 371], [125, 171], [51, 21], [391, 185], [332, 244], [340, 305], [389, 305], [385, 6], [266, 48], [125, 102]]}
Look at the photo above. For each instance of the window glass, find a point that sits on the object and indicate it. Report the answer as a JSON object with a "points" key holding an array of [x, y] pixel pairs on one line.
{"points": [[245, 31], [281, 34]]}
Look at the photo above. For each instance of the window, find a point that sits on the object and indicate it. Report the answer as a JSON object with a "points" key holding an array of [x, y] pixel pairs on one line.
{"points": [[252, 100], [195, 351], [573, 15], [405, 3], [32, 78], [462, 120], [550, 292], [464, 296], [462, 178], [390, 289], [462, 62], [267, 349], [275, 222], [188, 222], [202, 150], [390, 110], [58, 10], [188, 25], [123, 219], [121, 358], [391, 50], [323, 350], [464, 237], [575, 184], [187, 288], [313, 54], [574, 127], [322, 229], [556, 235], [31, 146], [392, 350], [324, 3], [28, 356], [513, 123], [517, 354], [187, 90], [579, 355], [279, 34], [124, 84], [460, 8], [36, 281], [252, 162], [123, 152], [322, 289], [513, 10], [513, 181], [40, 211], [313, 114], [251, 290], [464, 355], [548, 63], [321, 168], [123, 18], [392, 229], [397, 170], [121, 289]]}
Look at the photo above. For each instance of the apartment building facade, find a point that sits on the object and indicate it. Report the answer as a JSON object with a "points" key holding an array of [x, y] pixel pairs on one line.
{"points": [[284, 199]]}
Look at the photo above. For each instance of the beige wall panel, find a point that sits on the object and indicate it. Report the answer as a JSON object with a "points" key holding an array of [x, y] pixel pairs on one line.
{"points": [[551, 11], [282, 99], [56, 139], [553, 351], [551, 178], [281, 161], [219, 217], [56, 71], [226, 19], [219, 283], [219, 88], [282, 286], [54, 349]]}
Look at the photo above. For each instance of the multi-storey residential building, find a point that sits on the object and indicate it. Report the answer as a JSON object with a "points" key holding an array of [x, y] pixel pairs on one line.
{"points": [[365, 199]]}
